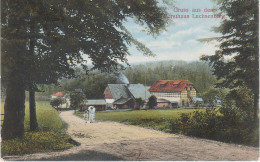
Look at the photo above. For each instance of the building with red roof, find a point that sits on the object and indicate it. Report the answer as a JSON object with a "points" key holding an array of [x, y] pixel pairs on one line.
{"points": [[176, 92], [58, 94]]}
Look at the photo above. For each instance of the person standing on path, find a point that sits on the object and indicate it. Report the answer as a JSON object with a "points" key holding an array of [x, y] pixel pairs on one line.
{"points": [[91, 110], [86, 116]]}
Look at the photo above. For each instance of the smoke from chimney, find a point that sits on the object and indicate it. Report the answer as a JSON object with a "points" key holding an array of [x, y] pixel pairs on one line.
{"points": [[121, 78]]}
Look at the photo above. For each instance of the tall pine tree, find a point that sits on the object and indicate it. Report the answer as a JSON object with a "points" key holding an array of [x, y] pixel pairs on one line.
{"points": [[236, 62]]}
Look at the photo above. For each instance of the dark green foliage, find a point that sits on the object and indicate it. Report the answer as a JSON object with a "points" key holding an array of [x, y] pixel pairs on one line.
{"points": [[56, 102], [35, 142], [199, 73], [240, 40], [50, 136], [152, 102], [243, 99], [198, 104], [229, 126], [45, 40], [211, 95], [140, 102], [238, 121], [198, 123], [93, 84], [77, 99]]}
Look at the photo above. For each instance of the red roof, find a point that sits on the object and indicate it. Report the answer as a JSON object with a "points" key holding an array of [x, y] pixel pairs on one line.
{"points": [[169, 85], [59, 94]]}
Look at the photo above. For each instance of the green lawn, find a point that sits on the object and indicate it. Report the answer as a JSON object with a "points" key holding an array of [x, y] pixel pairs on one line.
{"points": [[159, 119], [51, 134], [163, 119]]}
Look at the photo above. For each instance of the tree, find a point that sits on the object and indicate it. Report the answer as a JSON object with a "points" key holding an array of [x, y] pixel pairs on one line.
{"points": [[56, 102], [140, 102], [240, 38], [197, 72], [77, 99], [152, 102], [93, 84], [211, 95], [53, 37], [22, 31]]}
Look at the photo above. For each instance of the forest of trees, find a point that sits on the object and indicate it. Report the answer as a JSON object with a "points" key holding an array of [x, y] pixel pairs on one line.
{"points": [[94, 84], [196, 72]]}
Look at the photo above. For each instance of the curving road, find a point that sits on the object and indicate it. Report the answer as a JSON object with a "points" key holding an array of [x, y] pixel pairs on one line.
{"points": [[115, 141]]}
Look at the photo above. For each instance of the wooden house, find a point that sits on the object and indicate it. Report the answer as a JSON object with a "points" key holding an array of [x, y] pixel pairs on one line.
{"points": [[175, 93], [99, 104], [123, 96]]}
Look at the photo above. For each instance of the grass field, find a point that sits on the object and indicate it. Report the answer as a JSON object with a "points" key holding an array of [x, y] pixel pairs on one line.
{"points": [[51, 134], [159, 119], [163, 119]]}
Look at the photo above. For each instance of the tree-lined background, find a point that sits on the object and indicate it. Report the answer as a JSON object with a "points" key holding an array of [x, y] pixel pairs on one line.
{"points": [[94, 83], [45, 45]]}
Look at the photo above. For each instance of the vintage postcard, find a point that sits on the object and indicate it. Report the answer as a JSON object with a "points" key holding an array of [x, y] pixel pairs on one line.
{"points": [[130, 80]]}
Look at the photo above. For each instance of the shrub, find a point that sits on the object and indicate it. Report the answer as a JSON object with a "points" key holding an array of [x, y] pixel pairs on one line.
{"points": [[40, 141], [152, 102], [56, 102], [230, 125], [198, 123], [50, 136], [140, 101]]}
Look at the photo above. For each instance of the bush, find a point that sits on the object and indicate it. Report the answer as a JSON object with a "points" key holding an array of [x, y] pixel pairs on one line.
{"points": [[152, 102], [198, 123], [50, 136], [40, 141], [230, 125], [140, 102], [56, 102]]}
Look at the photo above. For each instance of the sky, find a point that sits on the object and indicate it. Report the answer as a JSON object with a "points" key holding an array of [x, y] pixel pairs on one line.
{"points": [[180, 41]]}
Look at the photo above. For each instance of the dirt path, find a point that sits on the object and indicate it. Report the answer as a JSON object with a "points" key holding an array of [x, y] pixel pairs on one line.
{"points": [[115, 141]]}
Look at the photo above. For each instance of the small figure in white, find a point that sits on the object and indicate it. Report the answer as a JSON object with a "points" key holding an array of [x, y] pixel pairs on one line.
{"points": [[86, 115], [91, 110]]}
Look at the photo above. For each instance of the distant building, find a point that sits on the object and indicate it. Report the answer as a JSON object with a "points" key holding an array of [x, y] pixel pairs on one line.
{"points": [[58, 94], [123, 96], [173, 93], [63, 96], [198, 101], [99, 104], [163, 103]]}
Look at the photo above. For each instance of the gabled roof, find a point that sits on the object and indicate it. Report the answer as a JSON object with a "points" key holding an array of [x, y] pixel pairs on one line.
{"points": [[96, 102], [118, 91], [169, 85], [128, 91], [122, 101], [59, 94], [139, 91]]}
